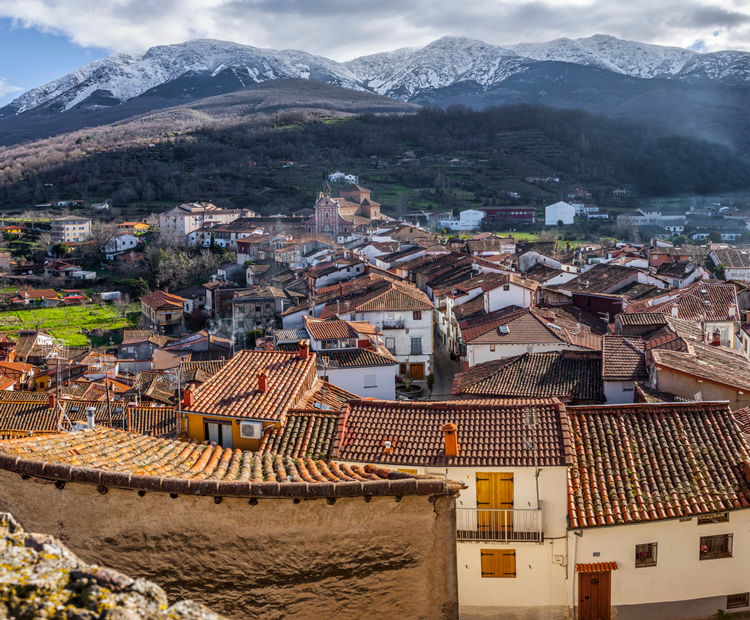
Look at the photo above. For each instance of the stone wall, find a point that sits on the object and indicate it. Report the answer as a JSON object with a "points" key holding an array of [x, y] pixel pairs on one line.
{"points": [[270, 558], [41, 579]]}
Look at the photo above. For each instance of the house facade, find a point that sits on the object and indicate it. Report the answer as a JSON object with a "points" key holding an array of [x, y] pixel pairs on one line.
{"points": [[559, 212], [70, 229], [163, 312]]}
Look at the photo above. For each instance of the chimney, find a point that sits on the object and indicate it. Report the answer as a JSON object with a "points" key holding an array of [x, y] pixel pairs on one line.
{"points": [[716, 341], [675, 311], [263, 381], [304, 349], [450, 431], [732, 311], [387, 447], [90, 415], [189, 397], [51, 401]]}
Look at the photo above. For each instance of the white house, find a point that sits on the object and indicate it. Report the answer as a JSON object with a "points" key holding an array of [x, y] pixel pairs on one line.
{"points": [[470, 219], [511, 291], [623, 363], [506, 334], [559, 211], [120, 243]]}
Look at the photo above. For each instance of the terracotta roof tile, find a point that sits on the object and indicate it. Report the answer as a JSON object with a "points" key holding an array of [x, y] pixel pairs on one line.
{"points": [[716, 364], [638, 463], [324, 395], [305, 435], [354, 358], [160, 299], [490, 433], [623, 359], [129, 460], [565, 374], [233, 391], [329, 330]]}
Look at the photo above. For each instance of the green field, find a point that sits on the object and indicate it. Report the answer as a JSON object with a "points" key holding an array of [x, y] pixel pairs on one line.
{"points": [[72, 323]]}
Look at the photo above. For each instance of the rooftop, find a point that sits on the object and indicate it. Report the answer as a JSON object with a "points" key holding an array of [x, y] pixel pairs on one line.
{"points": [[623, 359], [128, 460], [233, 391], [160, 299], [490, 433], [645, 462], [718, 365], [565, 374]]}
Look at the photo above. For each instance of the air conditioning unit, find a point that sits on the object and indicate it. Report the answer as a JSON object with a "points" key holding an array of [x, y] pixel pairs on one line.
{"points": [[251, 430]]}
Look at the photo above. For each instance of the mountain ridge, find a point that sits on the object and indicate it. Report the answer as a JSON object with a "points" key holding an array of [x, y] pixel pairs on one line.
{"points": [[401, 74]]}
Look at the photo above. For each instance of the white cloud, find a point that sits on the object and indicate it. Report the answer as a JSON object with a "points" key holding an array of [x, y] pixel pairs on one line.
{"points": [[343, 29], [7, 89]]}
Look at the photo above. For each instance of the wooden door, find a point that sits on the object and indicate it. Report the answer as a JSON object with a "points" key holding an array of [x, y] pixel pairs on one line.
{"points": [[494, 492], [594, 596], [416, 371]]}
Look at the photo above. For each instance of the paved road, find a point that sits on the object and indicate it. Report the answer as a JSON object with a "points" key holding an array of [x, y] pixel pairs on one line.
{"points": [[445, 369]]}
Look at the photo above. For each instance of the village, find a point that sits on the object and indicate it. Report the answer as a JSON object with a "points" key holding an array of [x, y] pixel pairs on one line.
{"points": [[363, 408]]}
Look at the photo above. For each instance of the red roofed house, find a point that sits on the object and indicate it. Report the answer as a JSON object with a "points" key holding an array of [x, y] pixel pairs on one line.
{"points": [[590, 512], [163, 312]]}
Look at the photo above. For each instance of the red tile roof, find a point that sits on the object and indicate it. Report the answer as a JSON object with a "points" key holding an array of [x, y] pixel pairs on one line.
{"points": [[691, 302], [27, 417], [355, 358], [639, 463], [623, 359], [153, 421], [565, 374], [160, 299], [490, 433], [526, 327], [719, 365], [324, 395], [304, 435], [233, 391], [329, 330], [128, 460]]}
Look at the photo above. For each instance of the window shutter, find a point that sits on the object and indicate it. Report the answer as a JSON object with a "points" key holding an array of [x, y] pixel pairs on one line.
{"points": [[498, 563]]}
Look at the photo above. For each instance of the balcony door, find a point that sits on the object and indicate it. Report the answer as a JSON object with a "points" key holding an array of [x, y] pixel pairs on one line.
{"points": [[494, 494]]}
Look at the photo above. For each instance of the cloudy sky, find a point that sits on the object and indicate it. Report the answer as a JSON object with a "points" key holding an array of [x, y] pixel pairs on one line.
{"points": [[41, 40]]}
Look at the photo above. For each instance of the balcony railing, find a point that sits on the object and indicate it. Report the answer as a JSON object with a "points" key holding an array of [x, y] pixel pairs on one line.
{"points": [[499, 525], [393, 324]]}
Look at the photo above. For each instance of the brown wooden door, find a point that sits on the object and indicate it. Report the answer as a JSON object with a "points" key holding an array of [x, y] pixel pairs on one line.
{"points": [[594, 596], [416, 371], [494, 492]]}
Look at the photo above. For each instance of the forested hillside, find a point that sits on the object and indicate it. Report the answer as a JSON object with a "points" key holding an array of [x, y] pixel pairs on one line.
{"points": [[275, 161]]}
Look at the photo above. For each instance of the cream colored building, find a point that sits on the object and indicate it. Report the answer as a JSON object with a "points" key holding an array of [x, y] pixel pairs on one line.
{"points": [[185, 218], [591, 512], [70, 229]]}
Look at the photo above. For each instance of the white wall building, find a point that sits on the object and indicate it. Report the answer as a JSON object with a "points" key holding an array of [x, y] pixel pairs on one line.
{"points": [[559, 211], [470, 219]]}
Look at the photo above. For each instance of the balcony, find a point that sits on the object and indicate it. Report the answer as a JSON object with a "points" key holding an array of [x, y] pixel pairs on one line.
{"points": [[393, 324], [473, 524]]}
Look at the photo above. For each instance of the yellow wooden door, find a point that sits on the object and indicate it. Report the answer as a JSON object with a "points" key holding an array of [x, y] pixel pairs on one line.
{"points": [[494, 492]]}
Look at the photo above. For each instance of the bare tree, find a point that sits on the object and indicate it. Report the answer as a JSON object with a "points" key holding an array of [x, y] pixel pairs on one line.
{"points": [[101, 236], [121, 307], [44, 240]]}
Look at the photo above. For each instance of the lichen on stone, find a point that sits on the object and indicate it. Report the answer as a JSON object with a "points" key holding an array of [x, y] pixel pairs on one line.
{"points": [[40, 579]]}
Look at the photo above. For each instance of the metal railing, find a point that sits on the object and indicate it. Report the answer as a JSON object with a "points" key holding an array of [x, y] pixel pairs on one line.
{"points": [[393, 324], [499, 525]]}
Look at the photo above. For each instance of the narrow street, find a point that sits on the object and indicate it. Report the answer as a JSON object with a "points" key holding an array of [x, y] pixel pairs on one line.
{"points": [[445, 369]]}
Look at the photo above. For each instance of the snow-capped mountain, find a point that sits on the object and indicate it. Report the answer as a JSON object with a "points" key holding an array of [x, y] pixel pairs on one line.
{"points": [[202, 68], [641, 59], [445, 62], [122, 77]]}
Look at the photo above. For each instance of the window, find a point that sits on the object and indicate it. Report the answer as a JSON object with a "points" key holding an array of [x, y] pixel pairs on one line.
{"points": [[719, 517], [498, 563], [370, 381], [716, 547], [645, 555], [492, 347], [738, 600], [416, 346], [390, 344], [417, 315], [506, 287]]}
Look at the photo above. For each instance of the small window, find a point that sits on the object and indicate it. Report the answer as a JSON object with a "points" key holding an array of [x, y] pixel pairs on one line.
{"points": [[738, 600], [645, 555], [417, 315], [492, 347], [390, 344], [370, 381], [716, 547], [499, 563], [719, 517], [506, 287]]}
